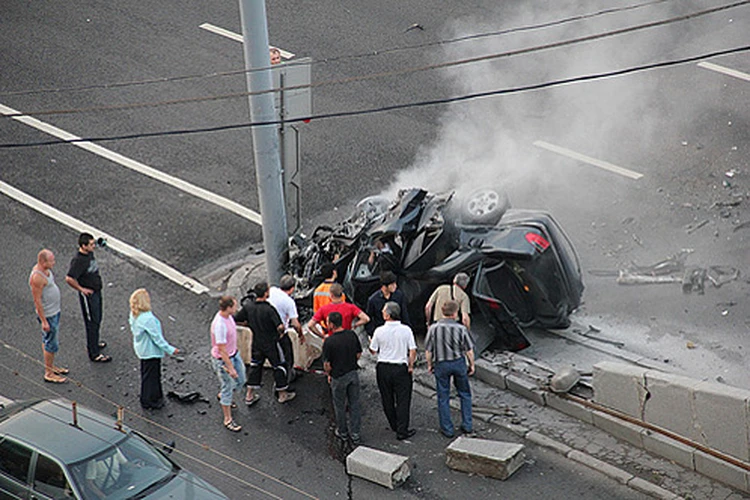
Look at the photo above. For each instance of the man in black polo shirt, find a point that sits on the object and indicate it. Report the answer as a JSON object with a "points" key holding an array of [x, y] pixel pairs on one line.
{"points": [[388, 292], [341, 350], [263, 319], [83, 276]]}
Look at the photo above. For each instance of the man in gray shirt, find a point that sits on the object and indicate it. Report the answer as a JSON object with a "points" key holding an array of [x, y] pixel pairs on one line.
{"points": [[447, 347], [47, 304]]}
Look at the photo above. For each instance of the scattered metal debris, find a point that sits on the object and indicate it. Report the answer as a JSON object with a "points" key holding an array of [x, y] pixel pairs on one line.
{"points": [[691, 228], [694, 280], [593, 329], [741, 225], [720, 275], [187, 397]]}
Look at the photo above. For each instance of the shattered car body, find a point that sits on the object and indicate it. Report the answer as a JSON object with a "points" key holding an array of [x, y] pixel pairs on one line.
{"points": [[524, 271]]}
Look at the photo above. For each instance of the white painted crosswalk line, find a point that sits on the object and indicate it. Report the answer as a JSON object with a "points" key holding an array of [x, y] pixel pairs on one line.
{"points": [[112, 242], [136, 166], [725, 70], [587, 159], [237, 37]]}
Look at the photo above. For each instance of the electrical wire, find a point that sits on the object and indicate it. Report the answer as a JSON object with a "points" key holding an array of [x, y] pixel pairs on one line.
{"points": [[116, 85], [395, 107], [163, 428], [404, 71]]}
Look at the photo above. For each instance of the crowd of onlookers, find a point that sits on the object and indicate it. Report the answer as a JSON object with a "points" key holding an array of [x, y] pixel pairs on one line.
{"points": [[270, 313]]}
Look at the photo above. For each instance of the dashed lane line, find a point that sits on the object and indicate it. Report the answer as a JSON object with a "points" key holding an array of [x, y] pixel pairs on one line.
{"points": [[139, 167], [236, 37], [725, 70], [112, 242], [587, 159]]}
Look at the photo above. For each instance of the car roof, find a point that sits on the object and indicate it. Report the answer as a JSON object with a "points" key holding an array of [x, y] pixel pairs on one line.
{"points": [[48, 425]]}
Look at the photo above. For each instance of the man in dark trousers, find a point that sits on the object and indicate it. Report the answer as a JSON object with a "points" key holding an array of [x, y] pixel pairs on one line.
{"points": [[83, 276], [396, 350], [388, 292], [263, 319], [448, 347], [341, 351]]}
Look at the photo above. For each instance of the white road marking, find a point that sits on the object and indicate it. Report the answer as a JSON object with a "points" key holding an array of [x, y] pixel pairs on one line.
{"points": [[587, 159], [112, 242], [725, 70], [236, 37], [136, 166]]}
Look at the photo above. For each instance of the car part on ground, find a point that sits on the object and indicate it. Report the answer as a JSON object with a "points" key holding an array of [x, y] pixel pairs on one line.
{"points": [[523, 268]]}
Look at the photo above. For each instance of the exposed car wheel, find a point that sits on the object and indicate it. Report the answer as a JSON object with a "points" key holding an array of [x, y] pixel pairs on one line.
{"points": [[484, 206]]}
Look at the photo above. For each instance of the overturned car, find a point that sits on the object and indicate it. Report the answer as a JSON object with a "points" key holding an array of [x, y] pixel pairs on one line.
{"points": [[523, 268]]}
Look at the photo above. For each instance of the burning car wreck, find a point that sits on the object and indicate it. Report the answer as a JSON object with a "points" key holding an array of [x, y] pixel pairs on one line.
{"points": [[524, 271]]}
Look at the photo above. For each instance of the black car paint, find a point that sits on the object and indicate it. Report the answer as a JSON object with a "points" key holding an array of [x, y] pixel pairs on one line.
{"points": [[523, 268]]}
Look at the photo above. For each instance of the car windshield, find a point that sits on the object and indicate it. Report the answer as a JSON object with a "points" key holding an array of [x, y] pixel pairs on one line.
{"points": [[122, 471]]}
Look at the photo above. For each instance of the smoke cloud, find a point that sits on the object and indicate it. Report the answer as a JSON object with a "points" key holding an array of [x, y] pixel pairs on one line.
{"points": [[489, 141]]}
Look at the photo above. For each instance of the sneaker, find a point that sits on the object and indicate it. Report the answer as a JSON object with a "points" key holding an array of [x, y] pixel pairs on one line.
{"points": [[288, 397], [341, 436], [468, 434], [356, 441]]}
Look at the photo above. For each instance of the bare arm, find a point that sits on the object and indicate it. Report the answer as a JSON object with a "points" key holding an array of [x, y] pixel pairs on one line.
{"points": [[228, 366], [428, 357], [363, 319], [37, 284], [77, 286], [412, 358], [470, 357]]}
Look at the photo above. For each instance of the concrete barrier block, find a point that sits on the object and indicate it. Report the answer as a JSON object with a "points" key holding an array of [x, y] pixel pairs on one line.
{"points": [[722, 471], [620, 386], [721, 418], [670, 402], [569, 407], [525, 387], [490, 374], [668, 448], [495, 459], [619, 428], [386, 469]]}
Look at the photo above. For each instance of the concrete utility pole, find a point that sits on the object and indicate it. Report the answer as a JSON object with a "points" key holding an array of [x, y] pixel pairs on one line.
{"points": [[265, 138]]}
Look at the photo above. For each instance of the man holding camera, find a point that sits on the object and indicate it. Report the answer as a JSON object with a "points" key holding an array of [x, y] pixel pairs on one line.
{"points": [[83, 276]]}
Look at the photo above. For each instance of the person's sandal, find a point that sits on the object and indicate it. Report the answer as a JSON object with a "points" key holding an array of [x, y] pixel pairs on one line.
{"points": [[253, 400], [102, 358], [233, 426]]}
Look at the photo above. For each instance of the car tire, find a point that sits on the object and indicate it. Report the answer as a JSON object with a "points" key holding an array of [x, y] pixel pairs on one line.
{"points": [[484, 206]]}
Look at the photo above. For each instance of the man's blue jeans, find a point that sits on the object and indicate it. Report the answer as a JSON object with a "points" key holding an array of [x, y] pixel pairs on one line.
{"points": [[444, 370]]}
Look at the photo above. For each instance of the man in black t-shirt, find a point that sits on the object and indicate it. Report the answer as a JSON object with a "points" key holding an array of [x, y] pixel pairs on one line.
{"points": [[341, 351], [263, 319], [83, 276]]}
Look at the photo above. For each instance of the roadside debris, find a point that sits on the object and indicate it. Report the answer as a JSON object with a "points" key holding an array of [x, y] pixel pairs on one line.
{"points": [[673, 270], [589, 334], [187, 397], [691, 228]]}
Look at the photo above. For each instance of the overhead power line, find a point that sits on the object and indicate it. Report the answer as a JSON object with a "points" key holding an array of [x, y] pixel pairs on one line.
{"points": [[403, 71], [395, 107], [374, 53]]}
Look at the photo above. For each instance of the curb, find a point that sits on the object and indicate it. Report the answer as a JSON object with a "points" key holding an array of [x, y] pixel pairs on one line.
{"points": [[619, 475]]}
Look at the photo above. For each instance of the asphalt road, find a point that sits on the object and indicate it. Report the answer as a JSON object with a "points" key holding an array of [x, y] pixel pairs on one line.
{"points": [[683, 127]]}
